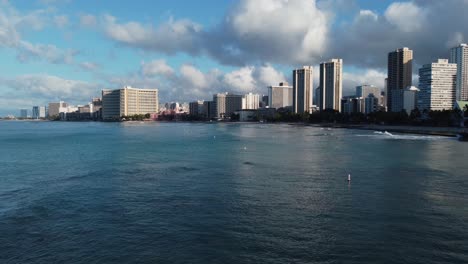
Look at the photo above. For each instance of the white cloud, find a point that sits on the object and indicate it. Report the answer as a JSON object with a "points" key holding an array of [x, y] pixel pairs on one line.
{"points": [[241, 79], [407, 16], [367, 14], [169, 37], [44, 88], [275, 30], [360, 77], [267, 75], [87, 20], [193, 75], [155, 67], [89, 66], [28, 51], [61, 21]]}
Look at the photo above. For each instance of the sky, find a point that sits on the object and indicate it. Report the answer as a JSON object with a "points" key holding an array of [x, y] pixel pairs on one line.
{"points": [[70, 50]]}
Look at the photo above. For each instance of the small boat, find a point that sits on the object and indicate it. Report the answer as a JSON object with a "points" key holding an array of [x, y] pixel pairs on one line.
{"points": [[463, 136]]}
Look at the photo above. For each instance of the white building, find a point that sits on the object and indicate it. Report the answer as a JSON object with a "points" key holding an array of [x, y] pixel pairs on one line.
{"points": [[129, 101], [251, 101], [437, 82], [331, 84], [303, 89], [280, 96], [459, 56]]}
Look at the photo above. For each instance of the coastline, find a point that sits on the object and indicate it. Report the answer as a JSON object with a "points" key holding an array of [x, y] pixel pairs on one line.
{"points": [[406, 129]]}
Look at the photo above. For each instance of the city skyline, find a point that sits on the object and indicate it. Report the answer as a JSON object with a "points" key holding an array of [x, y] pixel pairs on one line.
{"points": [[70, 50]]}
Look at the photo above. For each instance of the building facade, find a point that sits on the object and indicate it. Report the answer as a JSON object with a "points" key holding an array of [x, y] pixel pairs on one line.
{"points": [[196, 108], [459, 56], [209, 109], [251, 101], [399, 76], [410, 99], [365, 90], [331, 84], [226, 104], [371, 103], [437, 82], [24, 113], [38, 112], [303, 90], [128, 101], [56, 108], [280, 96]]}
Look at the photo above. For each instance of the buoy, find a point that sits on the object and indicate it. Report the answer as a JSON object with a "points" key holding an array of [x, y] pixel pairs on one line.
{"points": [[349, 177]]}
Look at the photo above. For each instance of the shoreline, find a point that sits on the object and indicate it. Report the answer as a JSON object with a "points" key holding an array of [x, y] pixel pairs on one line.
{"points": [[405, 129]]}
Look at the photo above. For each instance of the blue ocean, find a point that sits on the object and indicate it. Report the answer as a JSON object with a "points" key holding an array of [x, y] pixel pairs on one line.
{"points": [[153, 192]]}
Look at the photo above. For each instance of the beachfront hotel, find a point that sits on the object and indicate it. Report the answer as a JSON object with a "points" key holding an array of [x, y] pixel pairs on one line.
{"points": [[128, 101], [303, 89], [331, 84], [437, 82]]}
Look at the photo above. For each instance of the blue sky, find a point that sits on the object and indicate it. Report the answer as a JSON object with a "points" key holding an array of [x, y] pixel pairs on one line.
{"points": [[69, 50]]}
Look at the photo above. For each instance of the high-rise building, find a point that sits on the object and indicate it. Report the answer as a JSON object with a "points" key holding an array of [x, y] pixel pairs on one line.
{"points": [[437, 82], [129, 101], [400, 67], [459, 56], [196, 108], [331, 84], [371, 103], [209, 109], [303, 89], [35, 112], [24, 113], [251, 101], [56, 108], [280, 96], [226, 104]]}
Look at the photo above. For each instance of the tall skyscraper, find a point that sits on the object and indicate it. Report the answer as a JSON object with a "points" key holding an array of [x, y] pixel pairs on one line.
{"points": [[437, 82], [459, 56], [129, 101], [280, 96], [331, 84], [35, 112], [400, 67], [303, 89]]}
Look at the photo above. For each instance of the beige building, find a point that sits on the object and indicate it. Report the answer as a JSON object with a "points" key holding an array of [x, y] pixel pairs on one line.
{"points": [[303, 89], [280, 96], [225, 104], [331, 84], [129, 101], [400, 67]]}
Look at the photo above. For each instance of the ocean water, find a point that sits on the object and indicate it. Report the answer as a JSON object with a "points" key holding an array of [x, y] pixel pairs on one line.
{"points": [[229, 193]]}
